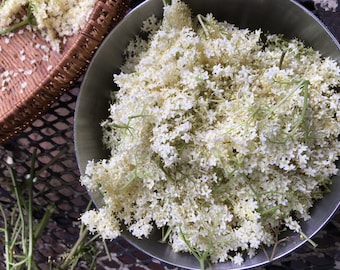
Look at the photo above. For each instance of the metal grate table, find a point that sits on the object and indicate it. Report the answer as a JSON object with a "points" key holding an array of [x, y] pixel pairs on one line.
{"points": [[52, 136]]}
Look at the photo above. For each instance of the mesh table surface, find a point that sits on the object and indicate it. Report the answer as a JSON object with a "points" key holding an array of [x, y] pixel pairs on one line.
{"points": [[52, 135]]}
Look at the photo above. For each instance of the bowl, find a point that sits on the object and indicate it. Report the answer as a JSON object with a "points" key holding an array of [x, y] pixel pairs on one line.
{"points": [[280, 16]]}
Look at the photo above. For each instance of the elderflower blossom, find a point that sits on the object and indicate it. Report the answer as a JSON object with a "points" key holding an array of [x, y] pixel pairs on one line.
{"points": [[331, 5], [223, 139], [55, 19]]}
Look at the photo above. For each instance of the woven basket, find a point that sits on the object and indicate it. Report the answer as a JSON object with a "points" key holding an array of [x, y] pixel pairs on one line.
{"points": [[39, 75]]}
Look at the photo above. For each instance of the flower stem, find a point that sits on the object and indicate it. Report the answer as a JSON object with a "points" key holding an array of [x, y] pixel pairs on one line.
{"points": [[201, 257], [70, 257], [166, 3], [205, 29], [31, 240], [281, 59], [28, 21], [20, 203], [165, 234], [6, 233]]}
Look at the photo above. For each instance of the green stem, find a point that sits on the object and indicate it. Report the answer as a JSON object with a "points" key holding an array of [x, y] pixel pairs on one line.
{"points": [[42, 224], [69, 258], [298, 87], [281, 59], [14, 27], [257, 195], [20, 203], [303, 85], [270, 210], [131, 180], [107, 250], [205, 29], [16, 230], [165, 234], [165, 170], [304, 236], [27, 21], [202, 258], [277, 242], [5, 231], [165, 3], [30, 212], [304, 109], [94, 261]]}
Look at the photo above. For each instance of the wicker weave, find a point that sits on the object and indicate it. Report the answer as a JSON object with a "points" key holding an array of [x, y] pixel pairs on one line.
{"points": [[43, 74]]}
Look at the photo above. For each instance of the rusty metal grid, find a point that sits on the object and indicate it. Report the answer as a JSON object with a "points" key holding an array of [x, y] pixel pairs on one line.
{"points": [[52, 135]]}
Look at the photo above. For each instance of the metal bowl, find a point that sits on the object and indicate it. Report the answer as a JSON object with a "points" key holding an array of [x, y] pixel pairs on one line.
{"points": [[280, 16]]}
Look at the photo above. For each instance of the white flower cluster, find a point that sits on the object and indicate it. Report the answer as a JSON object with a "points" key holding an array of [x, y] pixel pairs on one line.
{"points": [[328, 5], [217, 135], [55, 19]]}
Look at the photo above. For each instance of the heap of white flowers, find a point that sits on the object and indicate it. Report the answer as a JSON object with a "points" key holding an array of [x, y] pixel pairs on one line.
{"points": [[216, 136], [55, 19]]}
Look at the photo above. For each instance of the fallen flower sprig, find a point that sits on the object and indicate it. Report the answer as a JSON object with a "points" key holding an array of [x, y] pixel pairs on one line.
{"points": [[28, 20], [85, 248], [20, 230]]}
